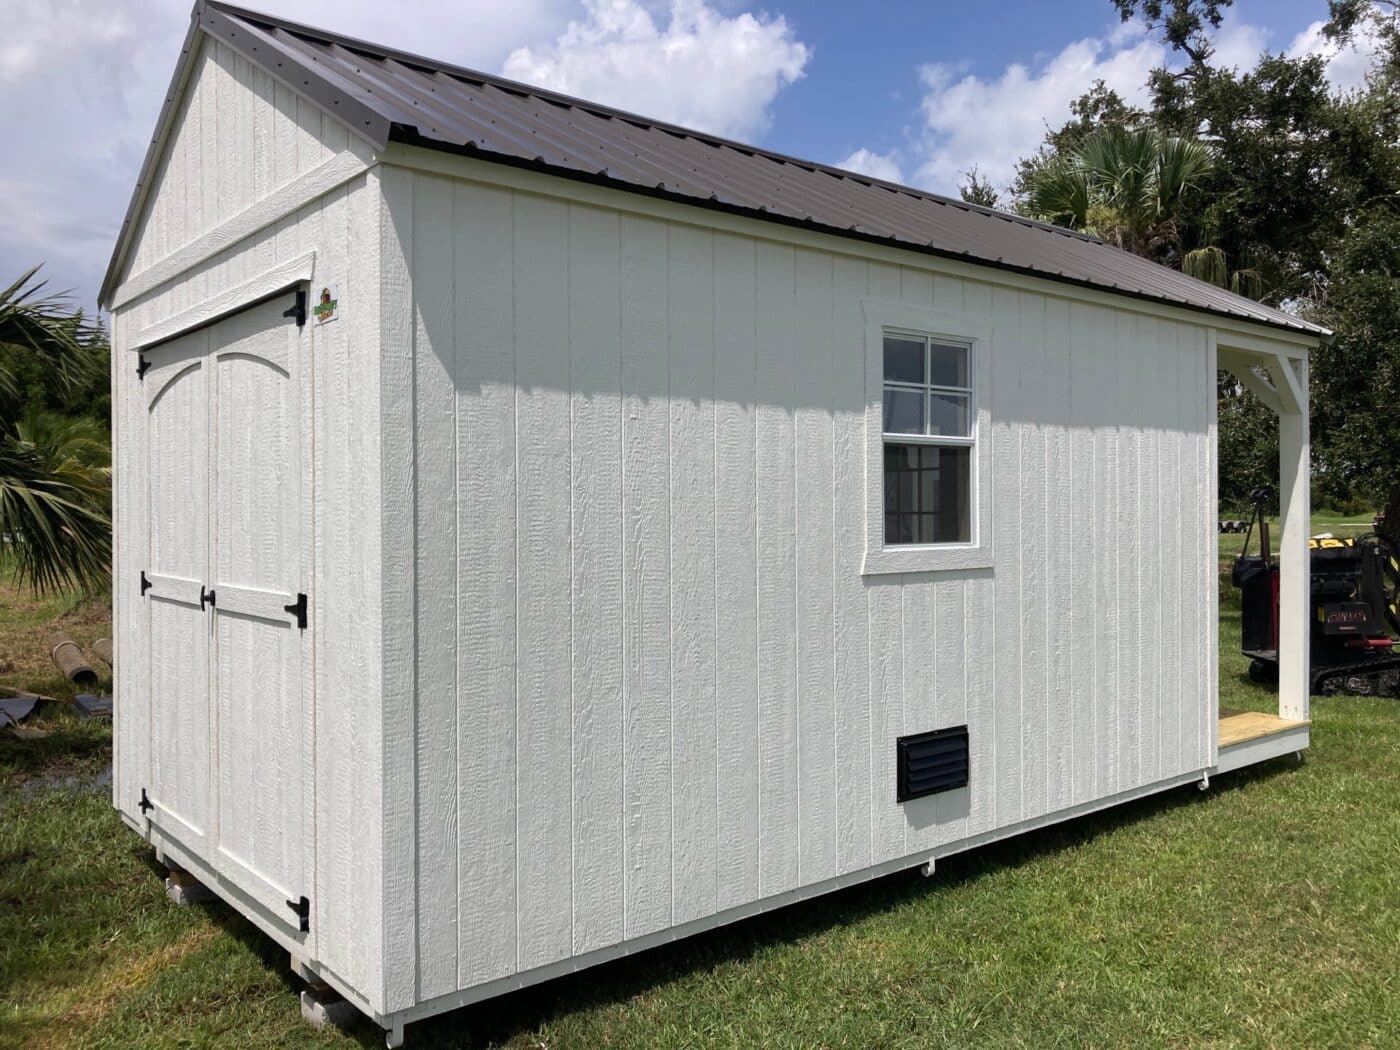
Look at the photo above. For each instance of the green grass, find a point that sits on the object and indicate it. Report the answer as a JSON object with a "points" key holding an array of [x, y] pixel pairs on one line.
{"points": [[71, 748], [1265, 912]]}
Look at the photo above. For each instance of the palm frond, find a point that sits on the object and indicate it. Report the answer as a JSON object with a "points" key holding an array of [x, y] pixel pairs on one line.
{"points": [[1061, 194], [44, 326], [1207, 264], [1182, 166], [52, 519]]}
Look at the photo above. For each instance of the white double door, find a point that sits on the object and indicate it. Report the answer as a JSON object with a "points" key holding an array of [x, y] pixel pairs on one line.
{"points": [[224, 590]]}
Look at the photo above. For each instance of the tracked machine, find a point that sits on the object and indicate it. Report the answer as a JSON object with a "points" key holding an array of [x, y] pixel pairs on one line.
{"points": [[1355, 611]]}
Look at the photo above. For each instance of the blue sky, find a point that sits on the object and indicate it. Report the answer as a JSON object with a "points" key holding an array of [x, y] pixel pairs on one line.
{"points": [[862, 86], [914, 92]]}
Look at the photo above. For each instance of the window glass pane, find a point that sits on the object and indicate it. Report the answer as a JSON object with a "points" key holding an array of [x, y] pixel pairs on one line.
{"points": [[947, 415], [904, 411], [947, 365], [931, 488], [904, 360]]}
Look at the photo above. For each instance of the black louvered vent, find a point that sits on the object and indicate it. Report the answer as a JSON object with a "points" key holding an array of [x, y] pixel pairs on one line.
{"points": [[932, 762]]}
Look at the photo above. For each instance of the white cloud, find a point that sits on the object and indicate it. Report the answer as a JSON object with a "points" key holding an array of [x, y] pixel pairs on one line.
{"points": [[1346, 66], [993, 122], [42, 32], [876, 165], [1238, 45], [82, 81], [702, 70]]}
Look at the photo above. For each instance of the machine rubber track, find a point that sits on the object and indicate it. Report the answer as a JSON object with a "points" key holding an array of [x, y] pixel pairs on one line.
{"points": [[1377, 675]]}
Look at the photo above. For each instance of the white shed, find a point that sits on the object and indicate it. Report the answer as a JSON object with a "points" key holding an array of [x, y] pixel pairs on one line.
{"points": [[544, 532]]}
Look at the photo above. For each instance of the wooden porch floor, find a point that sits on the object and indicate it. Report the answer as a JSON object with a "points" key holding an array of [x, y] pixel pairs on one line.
{"points": [[1238, 727]]}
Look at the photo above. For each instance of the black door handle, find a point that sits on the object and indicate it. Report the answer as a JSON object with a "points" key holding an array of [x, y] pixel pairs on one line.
{"points": [[205, 597]]}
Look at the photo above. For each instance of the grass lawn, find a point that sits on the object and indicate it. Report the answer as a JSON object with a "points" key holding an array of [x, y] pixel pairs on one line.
{"points": [[1265, 912]]}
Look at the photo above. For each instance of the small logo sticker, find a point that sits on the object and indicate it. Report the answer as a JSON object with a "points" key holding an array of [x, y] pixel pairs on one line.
{"points": [[324, 310]]}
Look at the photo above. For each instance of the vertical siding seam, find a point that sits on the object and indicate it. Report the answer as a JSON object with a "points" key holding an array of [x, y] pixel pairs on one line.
{"points": [[670, 594], [796, 647], [714, 537], [456, 607], [622, 562], [1051, 654], [757, 601], [573, 544], [515, 428], [833, 398], [1020, 606]]}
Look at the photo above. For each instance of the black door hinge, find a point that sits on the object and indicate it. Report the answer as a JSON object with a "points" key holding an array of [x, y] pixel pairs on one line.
{"points": [[146, 805], [297, 310], [205, 597], [298, 609], [145, 583], [142, 366], [302, 907]]}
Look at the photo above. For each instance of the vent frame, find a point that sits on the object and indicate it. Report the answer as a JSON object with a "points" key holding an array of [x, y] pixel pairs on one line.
{"points": [[947, 748]]}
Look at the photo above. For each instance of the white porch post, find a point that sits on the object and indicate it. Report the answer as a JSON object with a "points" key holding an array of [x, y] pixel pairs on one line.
{"points": [[1295, 623]]}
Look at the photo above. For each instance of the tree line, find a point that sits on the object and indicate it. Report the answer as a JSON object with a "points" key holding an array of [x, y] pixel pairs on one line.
{"points": [[1266, 181], [1272, 183]]}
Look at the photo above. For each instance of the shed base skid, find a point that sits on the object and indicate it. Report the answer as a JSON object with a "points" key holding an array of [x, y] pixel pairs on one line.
{"points": [[183, 888], [329, 1000]]}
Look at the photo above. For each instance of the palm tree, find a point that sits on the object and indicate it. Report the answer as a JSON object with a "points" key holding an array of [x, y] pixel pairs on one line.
{"points": [[55, 473], [1132, 188]]}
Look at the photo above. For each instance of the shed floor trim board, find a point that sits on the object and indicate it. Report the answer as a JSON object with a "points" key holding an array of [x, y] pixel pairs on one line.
{"points": [[1273, 737], [467, 997], [1249, 737]]}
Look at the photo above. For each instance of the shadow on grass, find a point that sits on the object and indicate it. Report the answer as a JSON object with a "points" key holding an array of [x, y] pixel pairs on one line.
{"points": [[508, 1016]]}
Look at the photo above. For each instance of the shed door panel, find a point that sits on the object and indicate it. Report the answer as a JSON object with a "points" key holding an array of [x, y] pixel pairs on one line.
{"points": [[177, 392], [258, 542]]}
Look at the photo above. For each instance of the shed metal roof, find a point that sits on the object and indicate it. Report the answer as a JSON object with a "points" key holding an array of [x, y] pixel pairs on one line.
{"points": [[388, 95]]}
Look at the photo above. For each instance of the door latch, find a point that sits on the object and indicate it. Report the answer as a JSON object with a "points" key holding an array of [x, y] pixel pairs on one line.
{"points": [[145, 583], [297, 311], [145, 805], [298, 609], [205, 597]]}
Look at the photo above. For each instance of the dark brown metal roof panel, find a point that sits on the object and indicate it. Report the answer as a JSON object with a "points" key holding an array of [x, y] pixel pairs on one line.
{"points": [[443, 106]]}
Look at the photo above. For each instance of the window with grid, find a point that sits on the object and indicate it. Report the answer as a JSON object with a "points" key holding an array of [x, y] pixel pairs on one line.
{"points": [[928, 428]]}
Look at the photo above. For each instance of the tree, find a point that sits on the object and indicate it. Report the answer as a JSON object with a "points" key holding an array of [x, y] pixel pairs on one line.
{"points": [[1131, 187], [1356, 380], [1186, 25], [978, 189], [54, 472], [1097, 109], [1300, 175]]}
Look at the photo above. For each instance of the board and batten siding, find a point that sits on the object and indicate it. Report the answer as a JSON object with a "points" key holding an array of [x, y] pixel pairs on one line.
{"points": [[651, 681]]}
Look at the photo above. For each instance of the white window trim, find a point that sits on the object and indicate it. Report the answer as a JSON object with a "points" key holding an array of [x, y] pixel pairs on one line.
{"points": [[953, 327]]}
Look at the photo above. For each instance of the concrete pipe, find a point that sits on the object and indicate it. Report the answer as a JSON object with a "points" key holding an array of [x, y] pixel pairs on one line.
{"points": [[69, 659], [103, 650]]}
